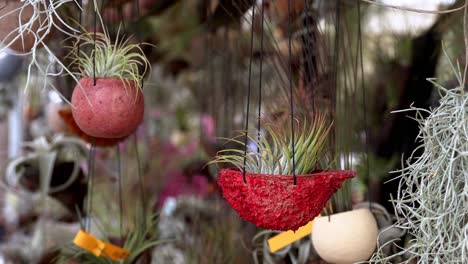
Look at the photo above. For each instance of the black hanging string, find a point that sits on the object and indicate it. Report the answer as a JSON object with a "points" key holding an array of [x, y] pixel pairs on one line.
{"points": [[80, 19], [135, 136], [291, 99], [309, 40], [364, 102], [227, 87], [120, 188], [94, 45], [90, 187], [260, 78], [140, 181], [249, 92]]}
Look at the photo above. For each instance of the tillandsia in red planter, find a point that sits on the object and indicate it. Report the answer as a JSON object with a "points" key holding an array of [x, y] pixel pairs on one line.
{"points": [[268, 194], [108, 102]]}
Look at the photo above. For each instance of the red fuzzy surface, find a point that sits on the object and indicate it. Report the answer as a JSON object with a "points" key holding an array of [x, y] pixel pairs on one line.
{"points": [[274, 202], [115, 109]]}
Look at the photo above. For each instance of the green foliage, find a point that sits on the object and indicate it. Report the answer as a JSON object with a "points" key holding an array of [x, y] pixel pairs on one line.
{"points": [[142, 238], [98, 55], [274, 150]]}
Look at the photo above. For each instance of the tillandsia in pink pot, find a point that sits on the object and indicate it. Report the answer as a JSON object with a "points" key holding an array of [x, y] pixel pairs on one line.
{"points": [[108, 101]]}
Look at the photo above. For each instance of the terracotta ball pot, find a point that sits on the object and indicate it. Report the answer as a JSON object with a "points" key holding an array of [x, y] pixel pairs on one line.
{"points": [[347, 237], [10, 23], [114, 108]]}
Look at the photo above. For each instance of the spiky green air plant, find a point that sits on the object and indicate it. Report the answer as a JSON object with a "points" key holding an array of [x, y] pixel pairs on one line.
{"points": [[101, 57], [273, 154], [432, 200]]}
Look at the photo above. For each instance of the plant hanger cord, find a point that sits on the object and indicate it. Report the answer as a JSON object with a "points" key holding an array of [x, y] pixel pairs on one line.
{"points": [[94, 43], [260, 78], [291, 104], [135, 136], [364, 103], [89, 201], [308, 56], [249, 88], [120, 188]]}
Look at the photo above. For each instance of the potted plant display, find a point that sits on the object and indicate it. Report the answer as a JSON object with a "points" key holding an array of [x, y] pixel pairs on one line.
{"points": [[266, 193], [108, 101]]}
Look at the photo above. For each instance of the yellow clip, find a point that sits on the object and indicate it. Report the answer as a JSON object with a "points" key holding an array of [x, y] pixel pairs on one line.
{"points": [[285, 238], [99, 248]]}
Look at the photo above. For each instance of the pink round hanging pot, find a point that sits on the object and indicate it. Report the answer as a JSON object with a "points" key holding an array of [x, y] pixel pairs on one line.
{"points": [[274, 202], [113, 108]]}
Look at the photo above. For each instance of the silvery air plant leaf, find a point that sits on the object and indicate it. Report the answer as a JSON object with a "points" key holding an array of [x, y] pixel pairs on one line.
{"points": [[432, 201]]}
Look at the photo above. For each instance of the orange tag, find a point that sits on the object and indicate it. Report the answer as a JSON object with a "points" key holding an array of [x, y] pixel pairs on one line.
{"points": [[99, 248], [285, 238]]}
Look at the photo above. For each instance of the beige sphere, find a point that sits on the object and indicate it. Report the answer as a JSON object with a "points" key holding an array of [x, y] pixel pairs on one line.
{"points": [[348, 237]]}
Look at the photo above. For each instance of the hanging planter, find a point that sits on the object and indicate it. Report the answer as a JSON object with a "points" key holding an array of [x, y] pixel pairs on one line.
{"points": [[67, 117], [108, 102], [274, 202], [114, 108], [347, 237], [270, 196]]}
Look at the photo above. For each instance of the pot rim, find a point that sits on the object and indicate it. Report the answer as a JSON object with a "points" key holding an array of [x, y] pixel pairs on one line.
{"points": [[347, 173], [350, 212]]}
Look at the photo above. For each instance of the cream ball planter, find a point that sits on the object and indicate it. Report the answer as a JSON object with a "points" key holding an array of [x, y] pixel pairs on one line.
{"points": [[348, 237]]}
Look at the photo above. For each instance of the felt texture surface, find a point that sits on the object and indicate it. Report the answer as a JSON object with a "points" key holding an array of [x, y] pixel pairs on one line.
{"points": [[115, 108], [274, 202]]}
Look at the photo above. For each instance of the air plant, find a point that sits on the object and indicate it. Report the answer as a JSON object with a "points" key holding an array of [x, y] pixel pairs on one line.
{"points": [[138, 242], [431, 204], [272, 194], [101, 57], [45, 154], [271, 153], [109, 91], [28, 25]]}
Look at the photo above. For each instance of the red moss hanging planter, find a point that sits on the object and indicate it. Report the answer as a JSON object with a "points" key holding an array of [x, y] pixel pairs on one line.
{"points": [[273, 202], [114, 108]]}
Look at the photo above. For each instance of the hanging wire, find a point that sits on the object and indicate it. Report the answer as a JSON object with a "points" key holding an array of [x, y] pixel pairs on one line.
{"points": [[260, 78], [94, 44], [364, 103], [248, 92], [140, 181], [90, 191], [291, 104], [138, 29], [226, 77], [120, 188], [135, 136], [308, 40], [80, 21]]}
